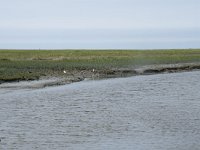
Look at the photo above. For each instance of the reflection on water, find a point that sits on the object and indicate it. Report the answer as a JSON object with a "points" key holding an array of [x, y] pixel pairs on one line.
{"points": [[143, 112]]}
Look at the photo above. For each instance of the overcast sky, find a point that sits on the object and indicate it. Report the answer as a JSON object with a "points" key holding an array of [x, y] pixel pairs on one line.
{"points": [[99, 24]]}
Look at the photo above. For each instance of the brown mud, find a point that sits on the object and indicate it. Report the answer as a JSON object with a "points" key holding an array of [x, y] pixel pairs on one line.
{"points": [[76, 76]]}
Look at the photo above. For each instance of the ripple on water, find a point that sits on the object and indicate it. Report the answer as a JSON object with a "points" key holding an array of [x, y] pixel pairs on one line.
{"points": [[154, 112]]}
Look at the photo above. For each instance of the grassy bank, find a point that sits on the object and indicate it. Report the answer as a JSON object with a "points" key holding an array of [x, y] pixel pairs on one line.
{"points": [[32, 64]]}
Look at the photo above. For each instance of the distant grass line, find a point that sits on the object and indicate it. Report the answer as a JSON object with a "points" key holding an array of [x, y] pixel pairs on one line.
{"points": [[32, 64]]}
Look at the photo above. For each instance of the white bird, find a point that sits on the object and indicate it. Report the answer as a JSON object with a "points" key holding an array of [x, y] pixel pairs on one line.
{"points": [[64, 71], [93, 70]]}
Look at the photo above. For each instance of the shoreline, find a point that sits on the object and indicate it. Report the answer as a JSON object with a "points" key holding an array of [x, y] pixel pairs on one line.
{"points": [[77, 76], [76, 65]]}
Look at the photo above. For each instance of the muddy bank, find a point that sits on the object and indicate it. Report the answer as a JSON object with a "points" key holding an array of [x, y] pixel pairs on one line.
{"points": [[76, 76], [41, 83], [170, 68], [150, 69]]}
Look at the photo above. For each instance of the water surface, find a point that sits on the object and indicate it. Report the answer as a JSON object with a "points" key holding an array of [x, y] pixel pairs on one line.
{"points": [[143, 112]]}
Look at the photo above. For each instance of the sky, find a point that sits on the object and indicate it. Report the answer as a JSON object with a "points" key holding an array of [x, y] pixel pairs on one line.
{"points": [[99, 24]]}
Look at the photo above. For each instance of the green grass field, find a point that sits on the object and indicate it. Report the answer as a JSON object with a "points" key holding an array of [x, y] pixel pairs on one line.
{"points": [[32, 64]]}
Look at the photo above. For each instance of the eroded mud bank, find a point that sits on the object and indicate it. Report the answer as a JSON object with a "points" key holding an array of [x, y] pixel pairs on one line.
{"points": [[77, 76]]}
